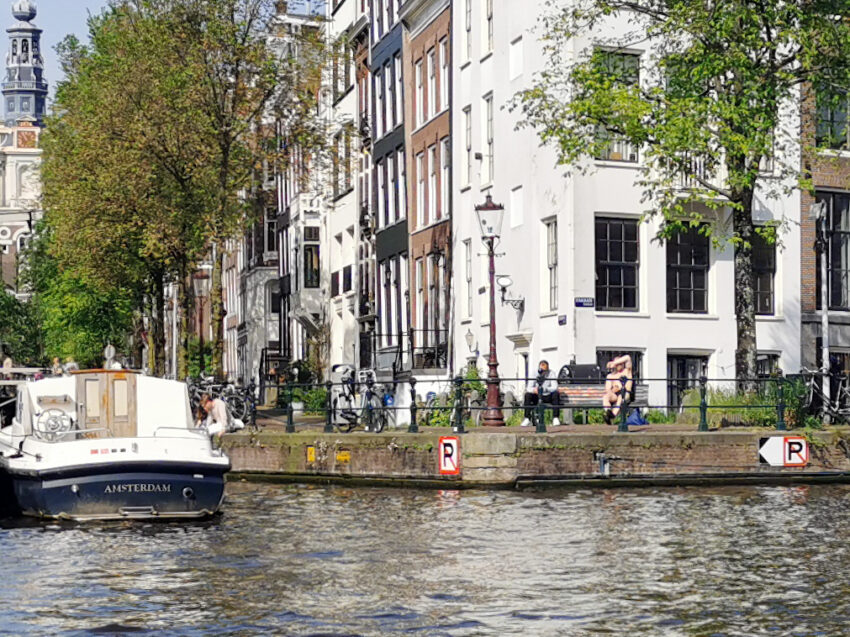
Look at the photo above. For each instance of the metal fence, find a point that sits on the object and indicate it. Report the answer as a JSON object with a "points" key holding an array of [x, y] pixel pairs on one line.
{"points": [[775, 401]]}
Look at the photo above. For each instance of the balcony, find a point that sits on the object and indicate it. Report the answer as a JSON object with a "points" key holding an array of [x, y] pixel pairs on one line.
{"points": [[430, 349], [308, 308], [698, 173]]}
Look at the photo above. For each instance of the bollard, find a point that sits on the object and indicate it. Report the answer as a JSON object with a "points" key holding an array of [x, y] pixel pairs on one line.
{"points": [[329, 427], [780, 403], [458, 428], [623, 428], [541, 411], [703, 405], [413, 428], [290, 420]]}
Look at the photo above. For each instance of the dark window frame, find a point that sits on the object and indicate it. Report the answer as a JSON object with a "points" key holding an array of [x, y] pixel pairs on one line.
{"points": [[606, 267], [764, 275], [685, 270]]}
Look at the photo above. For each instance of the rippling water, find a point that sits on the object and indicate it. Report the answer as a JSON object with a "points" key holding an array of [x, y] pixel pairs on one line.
{"points": [[300, 560]]}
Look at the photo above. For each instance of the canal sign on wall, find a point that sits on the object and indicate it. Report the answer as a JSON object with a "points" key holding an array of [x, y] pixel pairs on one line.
{"points": [[449, 455], [784, 451]]}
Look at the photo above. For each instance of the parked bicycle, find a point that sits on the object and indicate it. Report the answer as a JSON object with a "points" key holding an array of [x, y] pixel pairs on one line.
{"points": [[837, 406], [240, 401], [361, 401]]}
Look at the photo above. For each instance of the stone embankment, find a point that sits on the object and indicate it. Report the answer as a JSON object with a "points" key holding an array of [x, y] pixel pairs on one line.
{"points": [[512, 457]]}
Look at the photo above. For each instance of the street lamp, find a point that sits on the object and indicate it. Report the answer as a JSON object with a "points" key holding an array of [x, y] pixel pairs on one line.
{"points": [[819, 212], [201, 283], [490, 220]]}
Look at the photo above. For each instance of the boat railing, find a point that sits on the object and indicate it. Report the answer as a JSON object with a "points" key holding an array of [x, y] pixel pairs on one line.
{"points": [[193, 433]]}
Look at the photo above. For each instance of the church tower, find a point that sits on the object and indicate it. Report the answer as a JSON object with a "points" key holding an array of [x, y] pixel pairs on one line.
{"points": [[24, 88]]}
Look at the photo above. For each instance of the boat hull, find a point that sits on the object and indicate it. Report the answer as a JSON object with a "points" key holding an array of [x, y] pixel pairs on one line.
{"points": [[154, 491]]}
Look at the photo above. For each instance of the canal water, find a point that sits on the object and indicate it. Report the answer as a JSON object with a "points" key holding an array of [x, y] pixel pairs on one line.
{"points": [[307, 560]]}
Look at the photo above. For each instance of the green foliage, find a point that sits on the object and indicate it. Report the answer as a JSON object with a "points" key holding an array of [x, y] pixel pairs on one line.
{"points": [[20, 336], [752, 409], [657, 416], [315, 399], [472, 380], [594, 417], [76, 318], [193, 357]]}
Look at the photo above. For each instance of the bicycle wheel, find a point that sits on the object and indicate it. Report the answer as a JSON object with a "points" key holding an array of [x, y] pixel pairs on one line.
{"points": [[238, 406], [344, 418]]}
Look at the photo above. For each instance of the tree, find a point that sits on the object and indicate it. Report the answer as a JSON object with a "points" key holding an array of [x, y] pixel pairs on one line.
{"points": [[715, 98], [254, 79]]}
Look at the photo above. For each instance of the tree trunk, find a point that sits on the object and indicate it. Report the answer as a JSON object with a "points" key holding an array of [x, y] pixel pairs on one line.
{"points": [[745, 302], [217, 313], [184, 303], [158, 324]]}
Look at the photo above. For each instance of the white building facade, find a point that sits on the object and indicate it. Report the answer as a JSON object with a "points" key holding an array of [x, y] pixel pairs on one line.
{"points": [[594, 281]]}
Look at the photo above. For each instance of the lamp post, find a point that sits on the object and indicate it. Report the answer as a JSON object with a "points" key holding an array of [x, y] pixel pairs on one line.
{"points": [[819, 212], [490, 220], [201, 283]]}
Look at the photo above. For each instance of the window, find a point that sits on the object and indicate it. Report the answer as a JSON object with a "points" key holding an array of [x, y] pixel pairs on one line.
{"points": [[444, 74], [832, 130], [623, 70], [432, 184], [420, 97], [378, 25], [379, 105], [488, 135], [382, 194], [335, 283], [390, 17], [346, 279], [605, 355], [838, 251], [311, 233], [393, 194], [401, 170], [552, 263], [683, 373], [767, 364], [488, 26], [617, 262], [271, 230], [764, 269], [432, 84], [467, 275], [420, 294], [467, 30], [687, 272], [467, 164], [397, 94], [445, 184], [390, 100], [312, 271], [421, 212]]}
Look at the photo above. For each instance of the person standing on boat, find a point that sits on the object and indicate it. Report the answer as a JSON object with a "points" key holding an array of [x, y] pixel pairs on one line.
{"points": [[57, 366]]}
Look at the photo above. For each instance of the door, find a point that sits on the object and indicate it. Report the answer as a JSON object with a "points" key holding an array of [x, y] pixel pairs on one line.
{"points": [[106, 404]]}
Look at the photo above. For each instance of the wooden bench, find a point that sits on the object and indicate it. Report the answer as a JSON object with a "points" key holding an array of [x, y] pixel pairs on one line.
{"points": [[586, 396]]}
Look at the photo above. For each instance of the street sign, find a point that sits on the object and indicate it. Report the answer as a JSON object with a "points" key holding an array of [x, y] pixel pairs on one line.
{"points": [[449, 456], [784, 451], [585, 301]]}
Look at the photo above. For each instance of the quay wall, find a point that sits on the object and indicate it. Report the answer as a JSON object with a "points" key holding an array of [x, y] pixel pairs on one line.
{"points": [[509, 459]]}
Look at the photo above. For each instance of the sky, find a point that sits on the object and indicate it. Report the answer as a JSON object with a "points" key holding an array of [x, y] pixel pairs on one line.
{"points": [[57, 18]]}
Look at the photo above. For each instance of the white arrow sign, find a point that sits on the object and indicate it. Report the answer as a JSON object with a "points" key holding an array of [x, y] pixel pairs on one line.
{"points": [[784, 451]]}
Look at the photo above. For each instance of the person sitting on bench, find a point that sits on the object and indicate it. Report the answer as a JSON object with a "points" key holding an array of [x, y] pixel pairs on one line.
{"points": [[612, 400], [543, 388]]}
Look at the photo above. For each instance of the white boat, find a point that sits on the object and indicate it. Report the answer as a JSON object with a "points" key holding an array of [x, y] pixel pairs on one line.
{"points": [[108, 444]]}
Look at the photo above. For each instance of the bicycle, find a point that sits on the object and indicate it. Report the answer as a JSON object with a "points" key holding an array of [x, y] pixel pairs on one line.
{"points": [[348, 413], [837, 407]]}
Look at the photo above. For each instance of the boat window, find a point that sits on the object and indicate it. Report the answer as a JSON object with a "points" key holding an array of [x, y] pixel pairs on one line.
{"points": [[121, 407], [92, 398]]}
